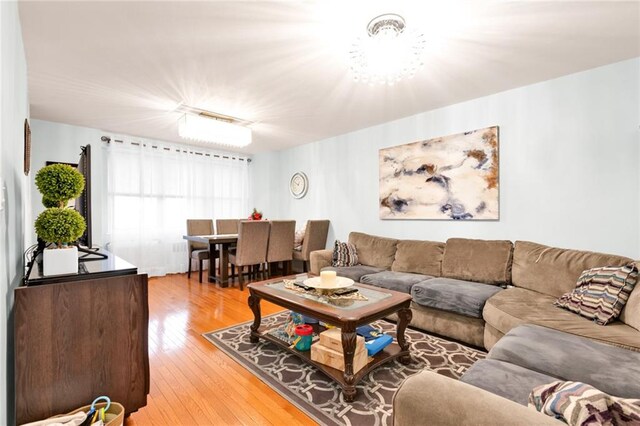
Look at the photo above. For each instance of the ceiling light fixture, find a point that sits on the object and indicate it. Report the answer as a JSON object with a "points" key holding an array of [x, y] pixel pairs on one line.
{"points": [[206, 126], [388, 53]]}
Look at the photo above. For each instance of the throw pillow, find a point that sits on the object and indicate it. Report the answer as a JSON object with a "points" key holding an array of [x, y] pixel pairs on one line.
{"points": [[577, 403], [344, 254], [298, 239], [601, 293]]}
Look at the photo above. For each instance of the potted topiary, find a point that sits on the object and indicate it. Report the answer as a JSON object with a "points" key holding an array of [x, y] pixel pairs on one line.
{"points": [[60, 225]]}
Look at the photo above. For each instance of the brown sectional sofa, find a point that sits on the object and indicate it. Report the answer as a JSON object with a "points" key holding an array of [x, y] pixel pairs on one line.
{"points": [[495, 390], [412, 262], [498, 295], [516, 284]]}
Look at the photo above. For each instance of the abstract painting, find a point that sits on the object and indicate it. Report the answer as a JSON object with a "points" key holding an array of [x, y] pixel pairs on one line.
{"points": [[449, 178]]}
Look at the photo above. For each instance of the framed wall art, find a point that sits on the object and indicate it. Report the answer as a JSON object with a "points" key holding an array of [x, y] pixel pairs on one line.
{"points": [[453, 177]]}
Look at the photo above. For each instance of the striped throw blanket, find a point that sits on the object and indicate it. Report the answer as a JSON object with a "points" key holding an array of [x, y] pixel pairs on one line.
{"points": [[579, 404]]}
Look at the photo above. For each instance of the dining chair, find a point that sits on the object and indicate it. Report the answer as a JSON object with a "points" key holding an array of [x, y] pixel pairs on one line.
{"points": [[251, 251], [200, 251], [227, 226], [315, 238], [280, 248]]}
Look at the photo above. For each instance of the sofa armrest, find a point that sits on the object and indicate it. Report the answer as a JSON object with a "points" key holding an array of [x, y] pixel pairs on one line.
{"points": [[428, 397], [320, 259]]}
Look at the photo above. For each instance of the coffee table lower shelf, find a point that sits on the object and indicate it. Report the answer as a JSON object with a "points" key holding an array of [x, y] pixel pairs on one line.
{"points": [[387, 354]]}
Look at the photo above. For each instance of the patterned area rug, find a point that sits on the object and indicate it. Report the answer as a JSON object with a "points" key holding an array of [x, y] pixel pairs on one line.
{"points": [[320, 397]]}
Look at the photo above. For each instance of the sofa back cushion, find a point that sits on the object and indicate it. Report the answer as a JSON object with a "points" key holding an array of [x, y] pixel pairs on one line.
{"points": [[484, 261], [419, 257], [373, 250], [631, 313], [555, 271]]}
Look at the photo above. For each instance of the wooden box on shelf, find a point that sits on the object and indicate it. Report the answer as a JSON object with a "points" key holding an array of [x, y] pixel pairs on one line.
{"points": [[328, 351], [332, 338]]}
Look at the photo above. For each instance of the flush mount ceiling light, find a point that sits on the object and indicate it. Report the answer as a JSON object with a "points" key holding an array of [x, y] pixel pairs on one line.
{"points": [[206, 126], [389, 52]]}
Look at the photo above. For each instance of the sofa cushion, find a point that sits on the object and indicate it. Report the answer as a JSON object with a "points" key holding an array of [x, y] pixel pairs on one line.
{"points": [[601, 293], [420, 257], [574, 358], [398, 281], [516, 306], [631, 313], [505, 379], [554, 271], [373, 250], [462, 297], [353, 272], [478, 260], [455, 326]]}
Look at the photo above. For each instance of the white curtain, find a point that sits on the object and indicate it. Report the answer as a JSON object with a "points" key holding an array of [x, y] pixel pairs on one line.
{"points": [[154, 189]]}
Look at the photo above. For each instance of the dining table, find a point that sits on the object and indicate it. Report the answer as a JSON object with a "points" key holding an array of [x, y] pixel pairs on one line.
{"points": [[224, 241]]}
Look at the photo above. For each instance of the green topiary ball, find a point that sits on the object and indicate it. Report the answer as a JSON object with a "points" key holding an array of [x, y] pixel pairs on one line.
{"points": [[51, 203], [60, 183], [60, 225]]}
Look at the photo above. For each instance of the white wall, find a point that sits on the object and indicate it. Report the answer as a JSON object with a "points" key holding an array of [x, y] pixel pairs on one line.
{"points": [[568, 166], [14, 196], [266, 184]]}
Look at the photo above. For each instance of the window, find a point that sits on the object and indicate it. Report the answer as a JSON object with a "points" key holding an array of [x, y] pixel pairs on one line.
{"points": [[153, 190]]}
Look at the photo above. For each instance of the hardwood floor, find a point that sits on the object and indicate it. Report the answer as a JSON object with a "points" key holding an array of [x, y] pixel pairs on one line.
{"points": [[193, 382]]}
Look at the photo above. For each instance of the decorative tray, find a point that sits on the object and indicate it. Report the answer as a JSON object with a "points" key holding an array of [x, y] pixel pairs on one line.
{"points": [[341, 282]]}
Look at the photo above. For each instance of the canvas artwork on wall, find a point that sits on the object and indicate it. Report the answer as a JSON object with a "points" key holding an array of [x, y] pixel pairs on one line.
{"points": [[449, 178]]}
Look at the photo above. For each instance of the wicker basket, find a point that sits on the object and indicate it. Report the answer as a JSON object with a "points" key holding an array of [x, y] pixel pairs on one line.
{"points": [[113, 417]]}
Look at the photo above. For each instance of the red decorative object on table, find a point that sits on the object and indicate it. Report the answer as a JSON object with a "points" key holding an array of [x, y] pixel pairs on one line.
{"points": [[255, 215]]}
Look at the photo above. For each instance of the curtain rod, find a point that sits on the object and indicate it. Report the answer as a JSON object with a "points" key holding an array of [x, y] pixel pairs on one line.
{"points": [[107, 140]]}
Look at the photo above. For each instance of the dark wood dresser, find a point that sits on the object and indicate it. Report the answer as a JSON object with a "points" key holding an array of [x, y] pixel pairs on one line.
{"points": [[81, 336]]}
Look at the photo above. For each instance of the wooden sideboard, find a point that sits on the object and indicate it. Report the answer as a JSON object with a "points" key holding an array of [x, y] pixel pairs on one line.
{"points": [[76, 340]]}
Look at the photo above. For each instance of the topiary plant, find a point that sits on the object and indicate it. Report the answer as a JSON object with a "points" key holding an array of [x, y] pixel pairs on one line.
{"points": [[59, 183], [60, 225], [49, 203]]}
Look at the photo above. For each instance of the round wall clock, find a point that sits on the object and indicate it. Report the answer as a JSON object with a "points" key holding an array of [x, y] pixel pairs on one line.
{"points": [[298, 185]]}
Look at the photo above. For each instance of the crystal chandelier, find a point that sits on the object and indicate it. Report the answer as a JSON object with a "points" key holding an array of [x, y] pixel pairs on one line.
{"points": [[389, 53]]}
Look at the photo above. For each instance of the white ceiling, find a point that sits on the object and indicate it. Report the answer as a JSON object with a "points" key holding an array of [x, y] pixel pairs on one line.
{"points": [[123, 66]]}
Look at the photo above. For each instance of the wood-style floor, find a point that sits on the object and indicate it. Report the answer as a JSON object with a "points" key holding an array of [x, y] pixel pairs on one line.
{"points": [[193, 382]]}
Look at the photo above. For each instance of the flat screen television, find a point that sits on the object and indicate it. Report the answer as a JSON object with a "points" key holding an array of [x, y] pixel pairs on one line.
{"points": [[83, 206], [83, 203]]}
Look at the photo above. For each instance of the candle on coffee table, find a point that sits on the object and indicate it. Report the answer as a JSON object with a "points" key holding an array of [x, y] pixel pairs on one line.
{"points": [[328, 278]]}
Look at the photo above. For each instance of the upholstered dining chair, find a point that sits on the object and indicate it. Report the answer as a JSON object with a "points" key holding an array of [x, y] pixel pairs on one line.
{"points": [[227, 226], [315, 238], [280, 249], [199, 251], [253, 239]]}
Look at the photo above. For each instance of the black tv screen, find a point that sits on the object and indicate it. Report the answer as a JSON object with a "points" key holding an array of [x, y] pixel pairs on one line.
{"points": [[83, 203]]}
